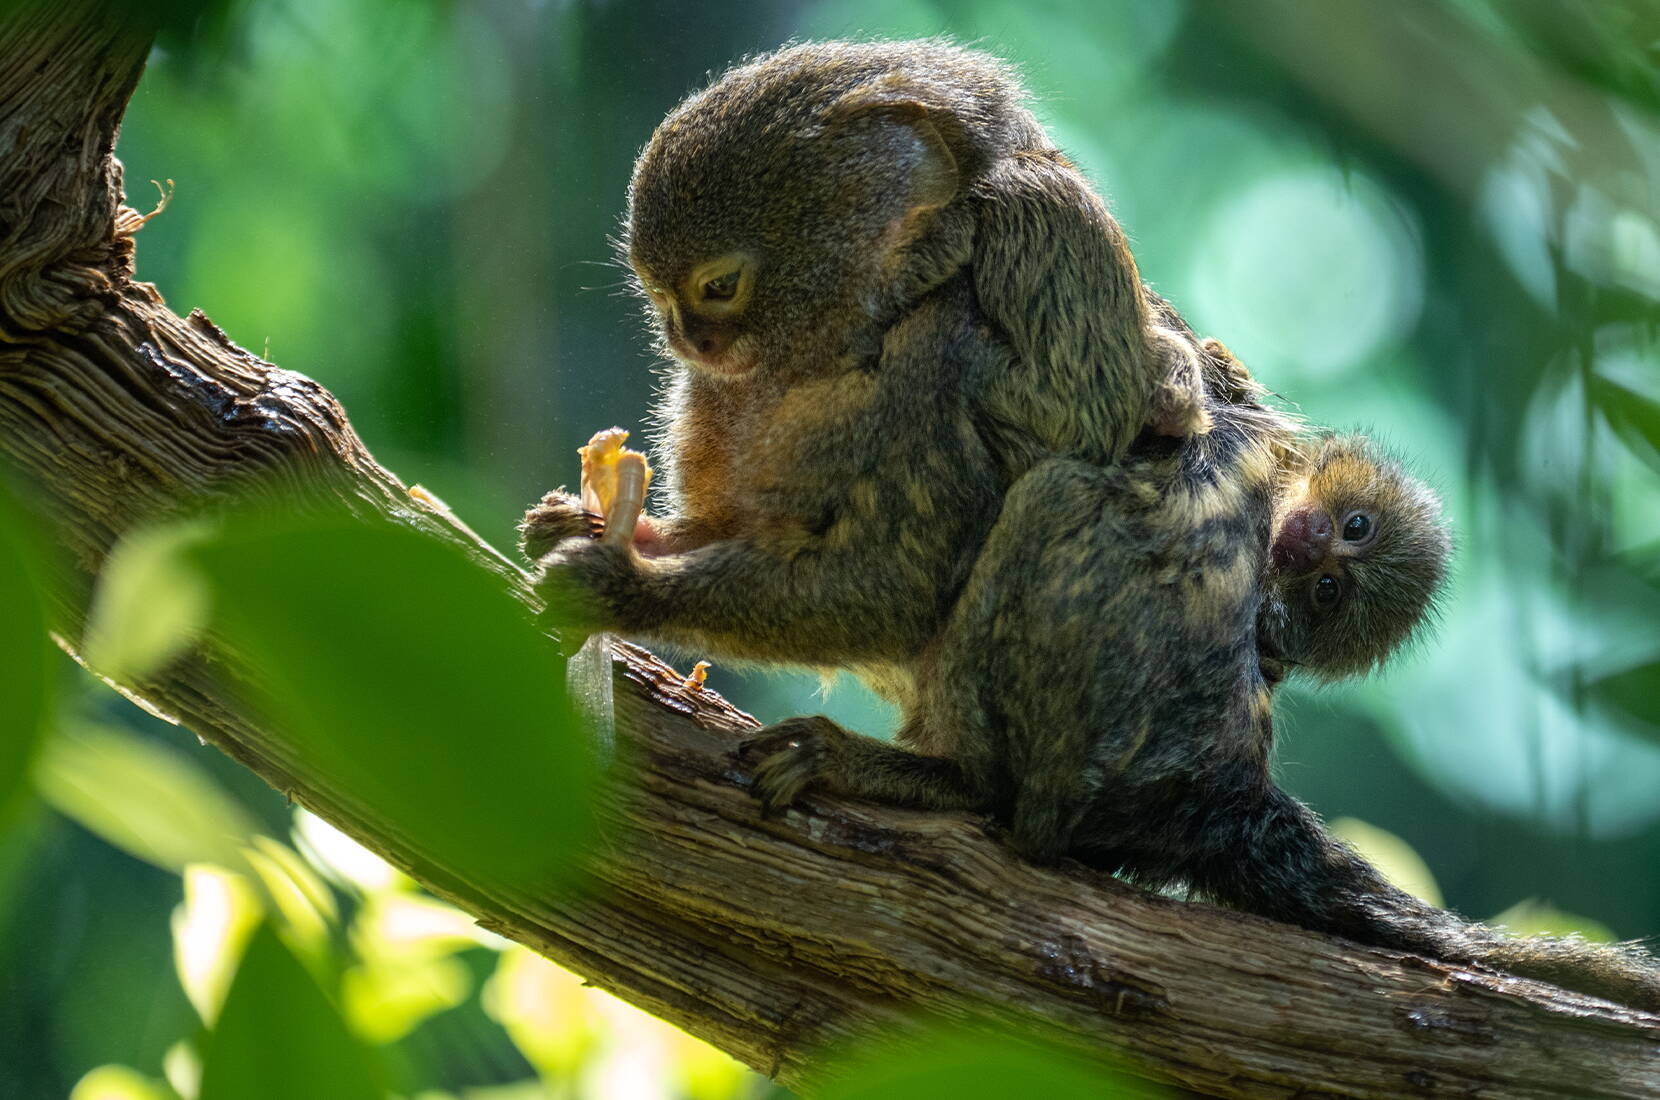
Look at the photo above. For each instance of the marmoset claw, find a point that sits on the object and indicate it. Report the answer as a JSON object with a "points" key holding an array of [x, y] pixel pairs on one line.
{"points": [[788, 756]]}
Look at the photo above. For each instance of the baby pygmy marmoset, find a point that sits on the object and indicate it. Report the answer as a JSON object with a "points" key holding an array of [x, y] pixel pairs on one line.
{"points": [[1359, 546], [906, 438]]}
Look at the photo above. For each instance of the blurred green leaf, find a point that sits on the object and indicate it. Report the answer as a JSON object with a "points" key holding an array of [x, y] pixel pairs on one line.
{"points": [[564, 1026], [1535, 918], [1643, 562], [278, 1037], [958, 1064], [294, 892], [547, 1011], [1635, 418], [119, 1083], [342, 859], [203, 32], [1397, 859], [26, 680], [211, 928], [407, 674], [149, 605], [386, 1000], [1635, 695], [143, 797], [1608, 46]]}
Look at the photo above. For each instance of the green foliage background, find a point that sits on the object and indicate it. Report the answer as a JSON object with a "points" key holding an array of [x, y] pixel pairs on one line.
{"points": [[1436, 220]]}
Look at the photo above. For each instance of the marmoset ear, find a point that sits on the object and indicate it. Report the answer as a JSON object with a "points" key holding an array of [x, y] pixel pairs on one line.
{"points": [[934, 177]]}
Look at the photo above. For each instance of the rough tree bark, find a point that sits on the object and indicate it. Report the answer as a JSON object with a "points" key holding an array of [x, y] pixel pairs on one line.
{"points": [[767, 938]]}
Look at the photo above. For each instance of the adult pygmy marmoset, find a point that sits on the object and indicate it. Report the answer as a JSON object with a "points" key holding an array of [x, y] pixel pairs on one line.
{"points": [[906, 438]]}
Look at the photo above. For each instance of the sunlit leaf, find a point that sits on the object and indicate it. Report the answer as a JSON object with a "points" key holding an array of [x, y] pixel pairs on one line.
{"points": [[956, 1064], [406, 674], [149, 605], [298, 896], [211, 926], [278, 1037], [387, 999], [143, 797], [1535, 918], [25, 651], [407, 971], [569, 1030], [343, 859], [182, 1064], [395, 924], [119, 1083], [546, 1010], [704, 1072], [1400, 864]]}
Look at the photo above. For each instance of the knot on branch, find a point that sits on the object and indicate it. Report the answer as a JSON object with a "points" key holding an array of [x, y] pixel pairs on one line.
{"points": [[60, 187]]}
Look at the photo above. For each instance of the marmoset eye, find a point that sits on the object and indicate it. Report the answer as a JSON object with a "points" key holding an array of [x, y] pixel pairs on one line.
{"points": [[1356, 527], [1327, 589], [721, 288]]}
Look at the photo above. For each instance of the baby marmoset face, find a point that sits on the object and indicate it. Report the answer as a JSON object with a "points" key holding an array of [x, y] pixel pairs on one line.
{"points": [[1359, 552]]}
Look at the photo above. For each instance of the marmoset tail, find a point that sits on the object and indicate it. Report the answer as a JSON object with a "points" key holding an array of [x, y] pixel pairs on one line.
{"points": [[1282, 863]]}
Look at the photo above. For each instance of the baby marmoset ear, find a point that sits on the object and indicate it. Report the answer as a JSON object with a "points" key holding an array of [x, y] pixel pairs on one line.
{"points": [[924, 143]]}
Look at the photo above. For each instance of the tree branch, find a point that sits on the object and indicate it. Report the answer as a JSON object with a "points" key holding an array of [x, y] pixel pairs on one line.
{"points": [[770, 939]]}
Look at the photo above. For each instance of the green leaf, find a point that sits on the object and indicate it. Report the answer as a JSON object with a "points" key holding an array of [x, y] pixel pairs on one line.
{"points": [[211, 928], [1635, 695], [119, 1083], [278, 1037], [149, 606], [405, 673], [143, 797], [1394, 857], [26, 673], [1635, 418], [954, 1063], [1533, 917]]}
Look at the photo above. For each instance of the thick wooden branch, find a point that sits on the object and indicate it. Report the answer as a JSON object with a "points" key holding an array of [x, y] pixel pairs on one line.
{"points": [[770, 939]]}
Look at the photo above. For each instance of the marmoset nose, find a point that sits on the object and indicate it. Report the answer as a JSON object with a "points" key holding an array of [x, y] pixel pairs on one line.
{"points": [[1303, 541], [704, 345], [712, 345]]}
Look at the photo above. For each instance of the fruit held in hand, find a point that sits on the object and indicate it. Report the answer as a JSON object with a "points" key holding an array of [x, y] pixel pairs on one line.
{"points": [[614, 482]]}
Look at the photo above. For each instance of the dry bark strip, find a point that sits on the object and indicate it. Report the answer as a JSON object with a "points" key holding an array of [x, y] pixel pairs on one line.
{"points": [[770, 939]]}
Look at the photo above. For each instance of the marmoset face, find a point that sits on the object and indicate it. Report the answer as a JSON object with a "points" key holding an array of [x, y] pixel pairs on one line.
{"points": [[763, 220], [1359, 552]]}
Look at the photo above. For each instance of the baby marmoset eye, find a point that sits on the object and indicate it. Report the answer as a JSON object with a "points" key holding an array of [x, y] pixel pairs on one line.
{"points": [[1327, 591], [1357, 528]]}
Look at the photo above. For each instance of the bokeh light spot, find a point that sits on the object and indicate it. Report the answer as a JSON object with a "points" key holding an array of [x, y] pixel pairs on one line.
{"points": [[1309, 268]]}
